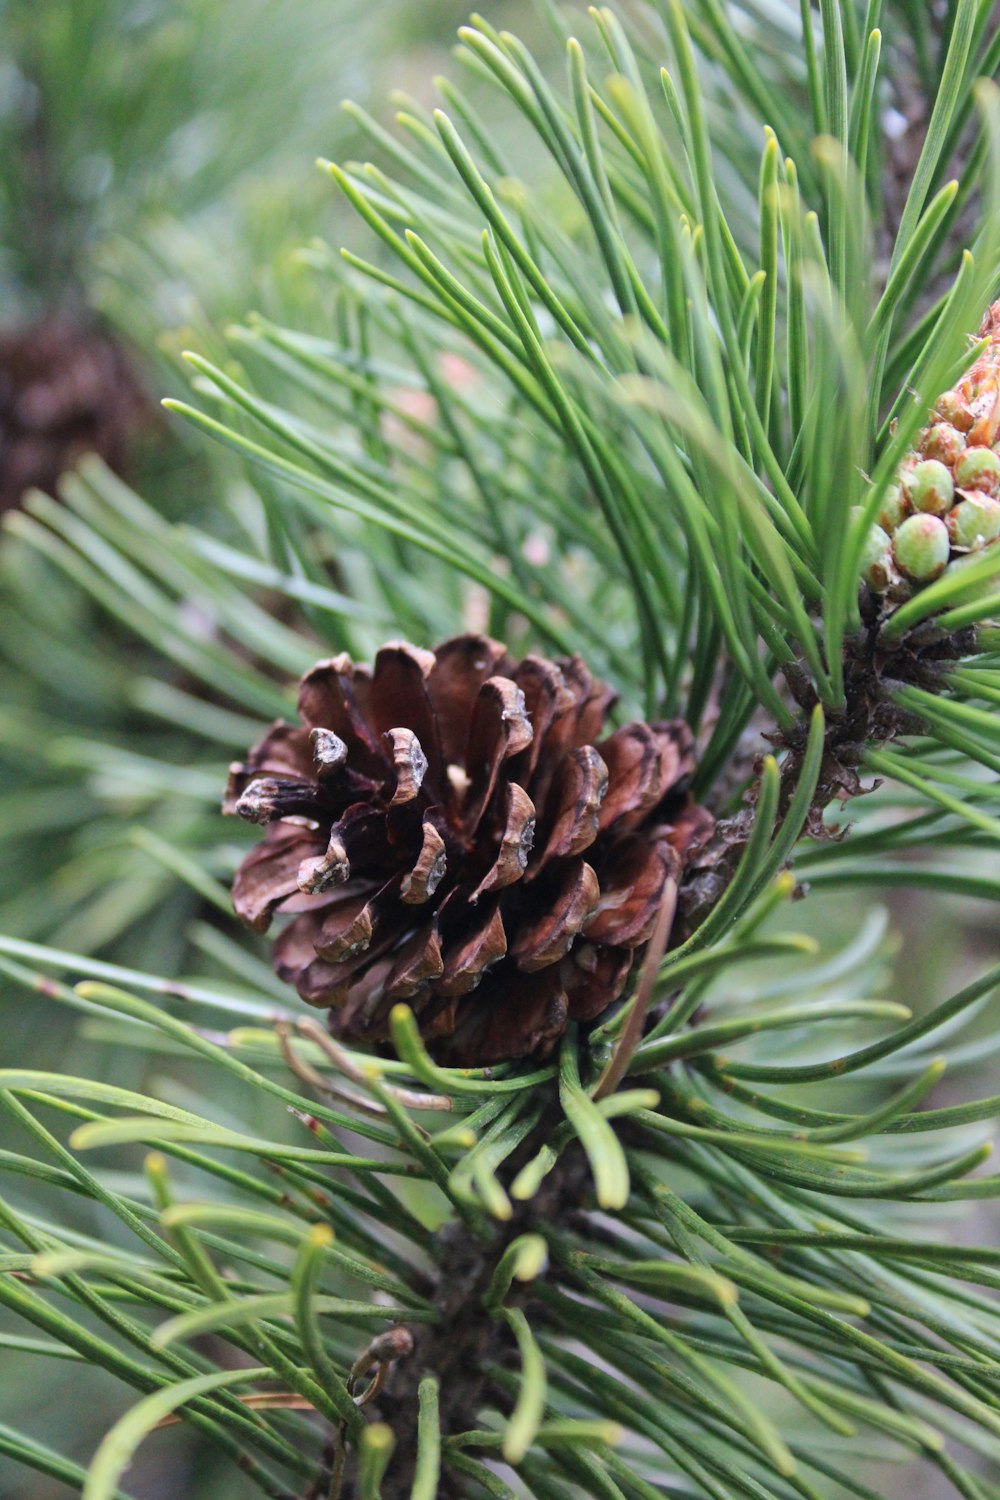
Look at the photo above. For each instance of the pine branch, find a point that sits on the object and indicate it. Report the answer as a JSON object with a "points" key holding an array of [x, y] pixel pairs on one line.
{"points": [[654, 428]]}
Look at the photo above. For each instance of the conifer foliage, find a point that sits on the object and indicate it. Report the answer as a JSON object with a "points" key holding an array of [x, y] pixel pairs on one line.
{"points": [[636, 400]]}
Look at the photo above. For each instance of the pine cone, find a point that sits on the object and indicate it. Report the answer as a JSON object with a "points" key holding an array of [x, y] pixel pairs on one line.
{"points": [[65, 390], [450, 830]]}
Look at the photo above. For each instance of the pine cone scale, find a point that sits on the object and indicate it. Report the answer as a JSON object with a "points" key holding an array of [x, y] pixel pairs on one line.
{"points": [[419, 884], [421, 960], [269, 875], [460, 669], [399, 697], [480, 949], [328, 699], [573, 807], [499, 730], [632, 891], [547, 698], [570, 903], [349, 928], [516, 843]]}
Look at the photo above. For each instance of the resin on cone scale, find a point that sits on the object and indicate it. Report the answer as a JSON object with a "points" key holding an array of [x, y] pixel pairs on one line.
{"points": [[463, 832]]}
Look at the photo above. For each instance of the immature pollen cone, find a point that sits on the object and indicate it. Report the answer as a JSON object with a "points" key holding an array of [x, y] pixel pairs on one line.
{"points": [[451, 830], [946, 503]]}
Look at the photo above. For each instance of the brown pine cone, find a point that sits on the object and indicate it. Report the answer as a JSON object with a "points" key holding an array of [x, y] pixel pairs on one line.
{"points": [[451, 830]]}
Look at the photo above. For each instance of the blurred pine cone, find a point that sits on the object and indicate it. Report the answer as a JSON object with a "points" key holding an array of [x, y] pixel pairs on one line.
{"points": [[451, 830], [65, 390]]}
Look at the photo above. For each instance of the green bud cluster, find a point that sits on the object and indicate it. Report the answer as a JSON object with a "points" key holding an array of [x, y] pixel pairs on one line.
{"points": [[946, 501]]}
